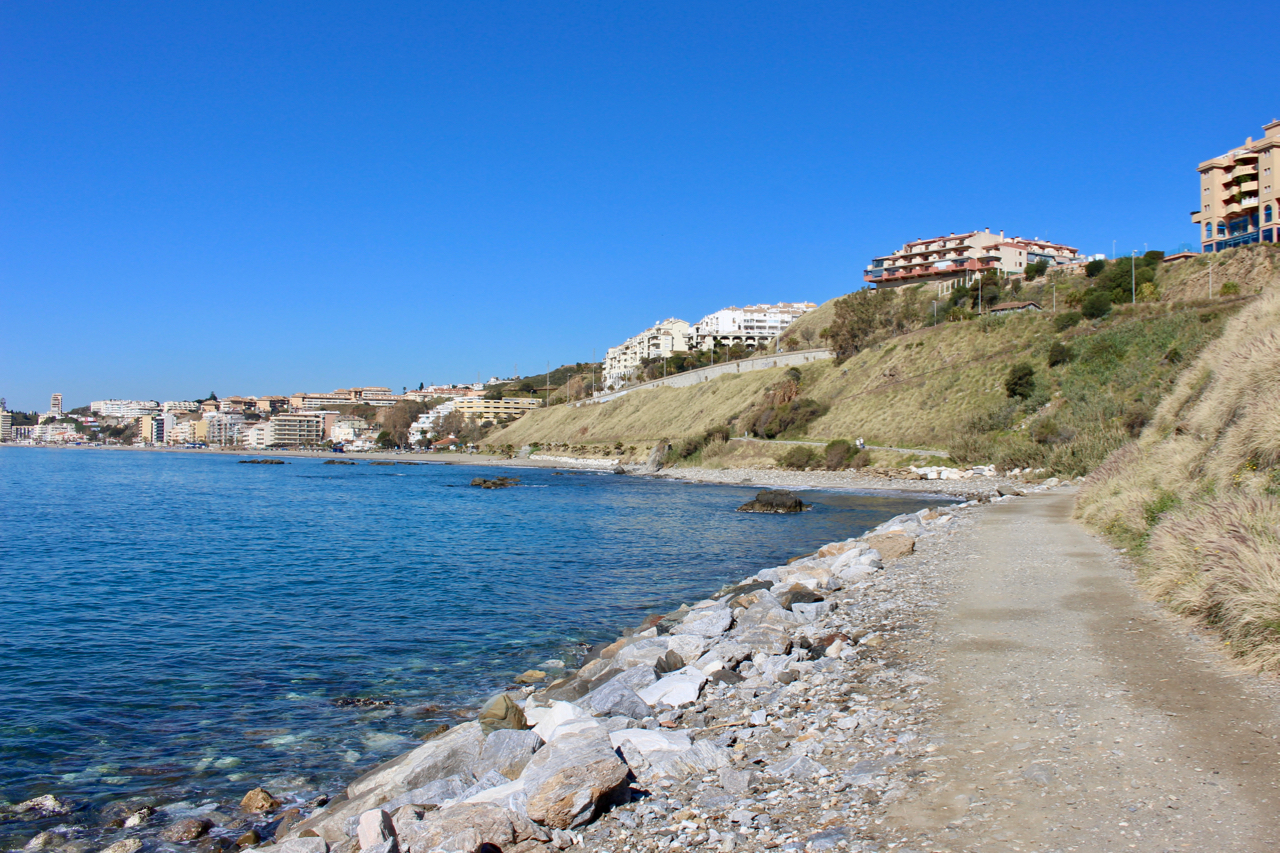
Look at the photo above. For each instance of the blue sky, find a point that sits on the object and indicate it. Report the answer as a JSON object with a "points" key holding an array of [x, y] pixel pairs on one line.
{"points": [[262, 198]]}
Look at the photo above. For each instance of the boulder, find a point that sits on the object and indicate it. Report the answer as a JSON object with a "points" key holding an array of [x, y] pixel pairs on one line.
{"points": [[669, 662], [259, 800], [1008, 492], [675, 690], [647, 652], [434, 793], [796, 767], [798, 593], [124, 845], [46, 839], [507, 751], [501, 712], [547, 720], [490, 780], [187, 829], [616, 699], [310, 844], [450, 753], [709, 622], [835, 549], [892, 546], [374, 827], [812, 611], [774, 500], [530, 676], [47, 805], [465, 826], [669, 753], [570, 778]]}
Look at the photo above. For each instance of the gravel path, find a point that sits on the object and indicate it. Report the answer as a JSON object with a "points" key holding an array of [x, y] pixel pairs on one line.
{"points": [[1070, 712]]}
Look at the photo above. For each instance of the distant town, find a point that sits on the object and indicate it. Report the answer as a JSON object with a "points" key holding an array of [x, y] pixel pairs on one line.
{"points": [[1237, 207]]}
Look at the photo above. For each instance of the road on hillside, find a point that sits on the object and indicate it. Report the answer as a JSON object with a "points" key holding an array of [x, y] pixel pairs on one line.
{"points": [[1073, 713], [917, 451]]}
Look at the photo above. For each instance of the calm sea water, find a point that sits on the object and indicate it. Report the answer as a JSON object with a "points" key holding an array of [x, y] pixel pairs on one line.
{"points": [[179, 625]]}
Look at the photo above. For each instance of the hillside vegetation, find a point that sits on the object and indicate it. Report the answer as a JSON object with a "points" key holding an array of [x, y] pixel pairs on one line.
{"points": [[1089, 377], [1197, 498]]}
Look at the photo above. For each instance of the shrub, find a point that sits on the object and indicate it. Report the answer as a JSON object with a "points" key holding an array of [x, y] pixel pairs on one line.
{"points": [[790, 417], [860, 460], [799, 457], [1230, 289], [1021, 381], [1047, 431], [838, 454], [1096, 305], [1092, 268], [1034, 271], [1058, 354], [1065, 321], [1136, 417]]}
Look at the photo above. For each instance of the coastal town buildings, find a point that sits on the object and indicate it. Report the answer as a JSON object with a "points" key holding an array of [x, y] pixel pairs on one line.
{"points": [[6, 425], [180, 431], [300, 429], [150, 429], [122, 408], [256, 436], [55, 405], [1238, 200], [955, 259], [753, 326], [495, 410], [220, 429], [661, 340], [169, 406]]}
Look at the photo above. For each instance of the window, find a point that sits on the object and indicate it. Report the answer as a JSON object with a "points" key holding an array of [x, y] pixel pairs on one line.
{"points": [[1266, 213], [1222, 229], [1206, 189], [1208, 230]]}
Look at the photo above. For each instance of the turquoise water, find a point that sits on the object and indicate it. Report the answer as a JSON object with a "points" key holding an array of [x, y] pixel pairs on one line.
{"points": [[178, 625]]}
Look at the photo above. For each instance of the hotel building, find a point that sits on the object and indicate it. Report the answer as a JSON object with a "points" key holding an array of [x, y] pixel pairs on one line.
{"points": [[963, 258], [1238, 204]]}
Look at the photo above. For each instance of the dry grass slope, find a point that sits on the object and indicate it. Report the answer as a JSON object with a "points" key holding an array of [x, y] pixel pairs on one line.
{"points": [[1198, 496]]}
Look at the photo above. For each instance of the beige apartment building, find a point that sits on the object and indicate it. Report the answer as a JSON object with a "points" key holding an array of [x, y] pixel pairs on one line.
{"points": [[300, 429], [1238, 203], [493, 410], [963, 258]]}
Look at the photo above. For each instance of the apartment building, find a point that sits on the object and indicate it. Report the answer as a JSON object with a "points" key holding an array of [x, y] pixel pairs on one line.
{"points": [[300, 429], [1238, 203], [55, 405], [181, 431], [6, 425], [753, 326], [122, 408], [150, 429], [661, 340], [962, 258], [178, 406], [221, 429], [256, 436], [493, 410]]}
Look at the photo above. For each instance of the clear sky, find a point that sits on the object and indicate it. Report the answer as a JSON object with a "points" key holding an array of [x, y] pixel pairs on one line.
{"points": [[257, 198]]}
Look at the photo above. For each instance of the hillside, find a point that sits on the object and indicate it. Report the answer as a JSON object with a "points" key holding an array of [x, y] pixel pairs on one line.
{"points": [[1197, 498], [1090, 385]]}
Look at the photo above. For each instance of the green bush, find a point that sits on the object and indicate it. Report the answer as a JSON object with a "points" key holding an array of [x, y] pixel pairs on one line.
{"points": [[1065, 321], [838, 454], [1047, 431], [799, 457], [860, 460], [1092, 268], [1096, 305], [1230, 289], [790, 417], [1021, 381], [1034, 271], [1058, 354]]}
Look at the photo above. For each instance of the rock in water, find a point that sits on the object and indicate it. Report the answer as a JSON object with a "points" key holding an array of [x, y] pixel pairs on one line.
{"points": [[47, 805], [774, 500], [501, 712], [127, 845], [259, 800], [496, 482], [186, 830]]}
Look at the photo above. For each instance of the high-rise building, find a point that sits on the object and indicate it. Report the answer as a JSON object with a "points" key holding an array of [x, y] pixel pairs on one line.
{"points": [[1238, 203], [6, 425], [55, 405]]}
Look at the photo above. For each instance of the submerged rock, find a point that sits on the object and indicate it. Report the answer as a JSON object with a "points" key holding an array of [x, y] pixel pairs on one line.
{"points": [[774, 500], [261, 461], [259, 800], [188, 829], [47, 805], [496, 482]]}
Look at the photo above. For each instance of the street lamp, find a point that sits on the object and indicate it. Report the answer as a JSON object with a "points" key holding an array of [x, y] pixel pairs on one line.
{"points": [[1133, 275]]}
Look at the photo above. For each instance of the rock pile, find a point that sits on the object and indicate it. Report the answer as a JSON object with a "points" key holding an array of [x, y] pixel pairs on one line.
{"points": [[737, 723], [496, 482], [261, 461]]}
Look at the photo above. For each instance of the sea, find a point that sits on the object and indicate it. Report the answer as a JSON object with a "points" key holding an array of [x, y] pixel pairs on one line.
{"points": [[179, 628]]}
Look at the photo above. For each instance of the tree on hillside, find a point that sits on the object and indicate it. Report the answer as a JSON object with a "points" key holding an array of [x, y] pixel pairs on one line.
{"points": [[855, 326]]}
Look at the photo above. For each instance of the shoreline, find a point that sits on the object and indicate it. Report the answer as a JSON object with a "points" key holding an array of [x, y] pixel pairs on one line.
{"points": [[86, 836]]}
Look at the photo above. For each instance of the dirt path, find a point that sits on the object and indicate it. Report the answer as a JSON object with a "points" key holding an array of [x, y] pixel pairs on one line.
{"points": [[1074, 715]]}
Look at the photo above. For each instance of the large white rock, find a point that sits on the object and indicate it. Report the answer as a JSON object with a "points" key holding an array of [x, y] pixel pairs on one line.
{"points": [[450, 753], [676, 689], [568, 779], [672, 753], [709, 622], [642, 652], [547, 719], [690, 647]]}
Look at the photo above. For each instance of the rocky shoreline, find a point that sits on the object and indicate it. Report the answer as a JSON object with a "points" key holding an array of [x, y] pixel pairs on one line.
{"points": [[727, 725]]}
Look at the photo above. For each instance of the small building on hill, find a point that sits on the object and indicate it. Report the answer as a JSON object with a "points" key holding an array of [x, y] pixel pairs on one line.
{"points": [[1013, 307]]}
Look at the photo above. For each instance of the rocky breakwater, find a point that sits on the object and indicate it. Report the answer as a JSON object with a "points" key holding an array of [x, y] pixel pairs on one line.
{"points": [[765, 717]]}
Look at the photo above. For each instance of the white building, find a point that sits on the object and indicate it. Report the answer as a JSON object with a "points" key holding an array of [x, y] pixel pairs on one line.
{"points": [[179, 431], [962, 259], [753, 327], [124, 408], [257, 435], [6, 425], [178, 406], [661, 340], [347, 428], [55, 405], [223, 429]]}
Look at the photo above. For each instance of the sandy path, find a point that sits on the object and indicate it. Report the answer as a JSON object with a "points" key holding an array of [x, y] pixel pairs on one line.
{"points": [[1074, 715]]}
